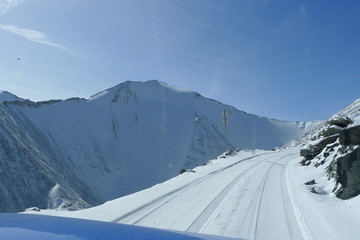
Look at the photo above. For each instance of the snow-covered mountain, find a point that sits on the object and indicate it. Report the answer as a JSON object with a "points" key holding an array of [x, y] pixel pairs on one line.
{"points": [[7, 96], [81, 152]]}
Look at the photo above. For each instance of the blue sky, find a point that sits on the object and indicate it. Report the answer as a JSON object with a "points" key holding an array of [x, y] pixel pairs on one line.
{"points": [[291, 60]]}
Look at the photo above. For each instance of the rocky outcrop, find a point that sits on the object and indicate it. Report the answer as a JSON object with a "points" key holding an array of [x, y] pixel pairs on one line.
{"points": [[340, 121], [332, 130], [350, 136], [312, 150], [346, 170], [322, 144], [345, 166], [345, 161], [340, 159], [328, 134]]}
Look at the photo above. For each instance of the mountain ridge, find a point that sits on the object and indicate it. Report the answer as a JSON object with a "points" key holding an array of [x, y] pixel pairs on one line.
{"points": [[88, 151], [8, 96], [120, 85]]}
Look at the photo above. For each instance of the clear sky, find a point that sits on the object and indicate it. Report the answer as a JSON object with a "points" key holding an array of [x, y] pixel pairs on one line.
{"points": [[290, 60]]}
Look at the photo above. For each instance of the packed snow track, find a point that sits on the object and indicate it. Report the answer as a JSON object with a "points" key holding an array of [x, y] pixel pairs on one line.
{"points": [[248, 199], [251, 195]]}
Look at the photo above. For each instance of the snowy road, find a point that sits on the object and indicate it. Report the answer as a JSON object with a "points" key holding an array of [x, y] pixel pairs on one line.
{"points": [[246, 200], [253, 195]]}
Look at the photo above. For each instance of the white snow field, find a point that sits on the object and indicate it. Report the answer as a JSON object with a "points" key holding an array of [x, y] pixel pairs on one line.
{"points": [[251, 195]]}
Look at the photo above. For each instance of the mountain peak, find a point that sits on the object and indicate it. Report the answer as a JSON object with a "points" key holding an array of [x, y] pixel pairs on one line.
{"points": [[90, 151], [7, 96], [129, 91]]}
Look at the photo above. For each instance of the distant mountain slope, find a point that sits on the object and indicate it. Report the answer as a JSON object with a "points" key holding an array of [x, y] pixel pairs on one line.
{"points": [[6, 96], [82, 152]]}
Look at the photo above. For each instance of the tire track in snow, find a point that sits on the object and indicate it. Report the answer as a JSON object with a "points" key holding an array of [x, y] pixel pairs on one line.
{"points": [[263, 184], [173, 197], [293, 226], [296, 225], [201, 220], [165, 198], [203, 217]]}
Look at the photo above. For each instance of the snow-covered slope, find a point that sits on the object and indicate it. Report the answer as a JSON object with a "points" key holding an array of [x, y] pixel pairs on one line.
{"points": [[81, 152], [249, 195]]}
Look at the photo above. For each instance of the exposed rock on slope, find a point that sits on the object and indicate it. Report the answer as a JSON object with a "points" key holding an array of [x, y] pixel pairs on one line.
{"points": [[81, 152], [312, 150], [335, 144], [350, 136], [346, 171]]}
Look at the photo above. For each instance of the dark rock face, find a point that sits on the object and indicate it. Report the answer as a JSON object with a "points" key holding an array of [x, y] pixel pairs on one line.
{"points": [[313, 150], [344, 169], [332, 130], [342, 157], [350, 136], [348, 174], [340, 121], [307, 151], [322, 144], [311, 182], [313, 190]]}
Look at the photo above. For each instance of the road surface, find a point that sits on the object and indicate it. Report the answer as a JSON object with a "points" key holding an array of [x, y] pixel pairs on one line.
{"points": [[248, 199]]}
